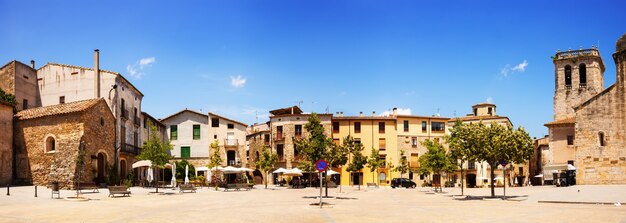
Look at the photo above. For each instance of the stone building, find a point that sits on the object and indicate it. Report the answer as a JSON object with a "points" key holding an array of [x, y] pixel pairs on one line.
{"points": [[48, 140], [6, 143], [589, 127], [258, 137], [20, 80]]}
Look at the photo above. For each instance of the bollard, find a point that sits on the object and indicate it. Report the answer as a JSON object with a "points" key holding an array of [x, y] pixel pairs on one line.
{"points": [[8, 194], [35, 191]]}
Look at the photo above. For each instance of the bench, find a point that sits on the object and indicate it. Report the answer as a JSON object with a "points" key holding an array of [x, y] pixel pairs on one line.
{"points": [[236, 187], [371, 184], [113, 190], [87, 186], [186, 187]]}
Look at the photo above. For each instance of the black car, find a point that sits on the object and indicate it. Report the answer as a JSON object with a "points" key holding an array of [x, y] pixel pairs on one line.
{"points": [[402, 182]]}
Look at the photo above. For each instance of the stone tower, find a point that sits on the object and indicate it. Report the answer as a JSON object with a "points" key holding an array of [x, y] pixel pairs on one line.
{"points": [[578, 75]]}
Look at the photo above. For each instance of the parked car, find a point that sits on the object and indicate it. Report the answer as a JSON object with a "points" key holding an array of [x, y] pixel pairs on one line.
{"points": [[402, 182]]}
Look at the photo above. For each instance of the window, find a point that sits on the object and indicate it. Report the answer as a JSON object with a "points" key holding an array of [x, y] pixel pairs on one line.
{"points": [[568, 77], [298, 131], [471, 165], [173, 132], [438, 126], [381, 144], [136, 139], [185, 152], [406, 125], [214, 136], [335, 127], [230, 126], [62, 100], [570, 162], [123, 108], [336, 141], [489, 111], [24, 104], [215, 122], [381, 127], [601, 138], [582, 74], [50, 144], [570, 140], [196, 132], [521, 170], [101, 121], [475, 112], [414, 142], [414, 162], [424, 126], [357, 127], [383, 161], [280, 152], [357, 140], [267, 138]]}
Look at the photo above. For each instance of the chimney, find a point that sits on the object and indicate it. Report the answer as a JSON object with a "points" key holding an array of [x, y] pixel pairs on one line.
{"points": [[96, 72], [395, 112], [360, 114], [32, 64], [373, 113], [340, 114]]}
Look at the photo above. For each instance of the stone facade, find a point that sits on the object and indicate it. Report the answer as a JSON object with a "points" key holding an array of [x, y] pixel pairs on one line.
{"points": [[596, 115], [20, 80], [48, 139], [256, 141], [6, 144], [286, 138]]}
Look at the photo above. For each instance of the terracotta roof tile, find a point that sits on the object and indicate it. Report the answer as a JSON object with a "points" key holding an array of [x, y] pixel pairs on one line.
{"points": [[565, 121], [59, 109], [476, 118]]}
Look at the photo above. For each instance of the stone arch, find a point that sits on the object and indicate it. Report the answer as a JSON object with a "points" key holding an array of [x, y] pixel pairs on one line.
{"points": [[101, 166], [568, 76], [582, 74], [50, 143]]}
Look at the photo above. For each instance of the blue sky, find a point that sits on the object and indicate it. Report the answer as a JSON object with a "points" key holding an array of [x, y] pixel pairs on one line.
{"points": [[240, 58]]}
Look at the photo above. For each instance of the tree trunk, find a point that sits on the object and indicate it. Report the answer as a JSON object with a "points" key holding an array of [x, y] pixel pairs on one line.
{"points": [[326, 182], [267, 174], [462, 179], [493, 192]]}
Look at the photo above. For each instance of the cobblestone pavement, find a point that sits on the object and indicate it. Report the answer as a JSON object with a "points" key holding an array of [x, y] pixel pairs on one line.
{"points": [[293, 205]]}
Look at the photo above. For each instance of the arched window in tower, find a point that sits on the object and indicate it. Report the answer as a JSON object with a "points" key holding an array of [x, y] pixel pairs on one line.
{"points": [[568, 77], [601, 139], [582, 72]]}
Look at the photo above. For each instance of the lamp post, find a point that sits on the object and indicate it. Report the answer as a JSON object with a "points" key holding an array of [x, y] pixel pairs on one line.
{"points": [[115, 147]]}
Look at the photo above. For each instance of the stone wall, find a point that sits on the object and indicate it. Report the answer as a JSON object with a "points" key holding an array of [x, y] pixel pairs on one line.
{"points": [[7, 77], [37, 166], [559, 152], [6, 144], [606, 114], [565, 99]]}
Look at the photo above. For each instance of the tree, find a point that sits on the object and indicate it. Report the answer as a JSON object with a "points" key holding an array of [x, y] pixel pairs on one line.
{"points": [[266, 162], [403, 165], [8, 99], [358, 161], [336, 157], [499, 143], [180, 169], [436, 159], [155, 150], [463, 144], [216, 159], [374, 162], [316, 146], [79, 160]]}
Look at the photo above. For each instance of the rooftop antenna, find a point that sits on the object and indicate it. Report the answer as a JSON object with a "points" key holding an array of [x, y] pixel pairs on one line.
{"points": [[327, 109], [454, 113], [438, 112], [257, 116]]}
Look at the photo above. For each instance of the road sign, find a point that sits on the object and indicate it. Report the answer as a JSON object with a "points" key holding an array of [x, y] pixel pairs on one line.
{"points": [[503, 162], [321, 165]]}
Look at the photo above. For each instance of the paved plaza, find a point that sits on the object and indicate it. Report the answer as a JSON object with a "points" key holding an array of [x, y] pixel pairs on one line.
{"points": [[293, 205]]}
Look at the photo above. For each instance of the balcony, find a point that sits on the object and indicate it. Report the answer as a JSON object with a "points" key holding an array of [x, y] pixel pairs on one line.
{"points": [[231, 142], [576, 53], [266, 143], [124, 113], [298, 135], [131, 149], [281, 159], [136, 121], [279, 137]]}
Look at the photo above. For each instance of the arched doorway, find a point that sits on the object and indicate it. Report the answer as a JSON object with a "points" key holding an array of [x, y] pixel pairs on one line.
{"points": [[101, 173], [123, 169]]}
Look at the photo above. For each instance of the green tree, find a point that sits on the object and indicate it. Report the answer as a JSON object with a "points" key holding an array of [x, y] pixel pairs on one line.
{"points": [[373, 163], [463, 145], [9, 99], [316, 146], [266, 162], [357, 160], [436, 159], [79, 160], [216, 159], [155, 150], [500, 143], [180, 169], [403, 165]]}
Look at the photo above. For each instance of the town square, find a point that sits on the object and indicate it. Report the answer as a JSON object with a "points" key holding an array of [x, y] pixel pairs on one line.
{"points": [[312, 111]]}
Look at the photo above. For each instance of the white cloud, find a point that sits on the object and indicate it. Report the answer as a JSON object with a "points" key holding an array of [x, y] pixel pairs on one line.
{"points": [[401, 111], [136, 70], [489, 100], [238, 81], [520, 68]]}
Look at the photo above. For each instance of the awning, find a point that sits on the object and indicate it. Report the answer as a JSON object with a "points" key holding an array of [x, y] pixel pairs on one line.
{"points": [[202, 168], [142, 163]]}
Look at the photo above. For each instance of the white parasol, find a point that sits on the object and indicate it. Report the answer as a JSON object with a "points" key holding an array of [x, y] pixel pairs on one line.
{"points": [[174, 175], [186, 172], [279, 170], [150, 177]]}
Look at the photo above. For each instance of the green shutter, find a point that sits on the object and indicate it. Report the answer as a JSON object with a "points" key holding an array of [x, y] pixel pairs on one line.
{"points": [[173, 132], [185, 152], [196, 132]]}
